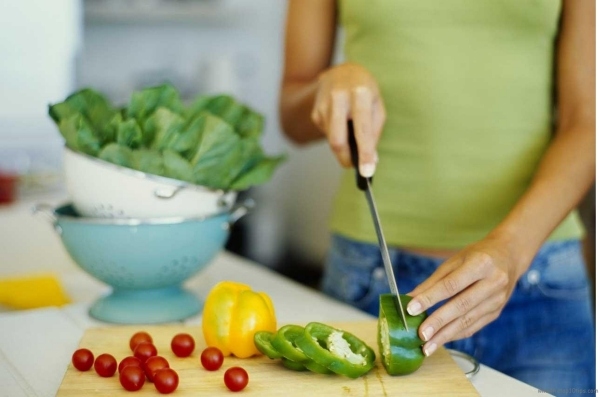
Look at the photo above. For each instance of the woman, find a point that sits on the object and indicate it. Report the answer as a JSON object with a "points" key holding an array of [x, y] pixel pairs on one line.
{"points": [[479, 116]]}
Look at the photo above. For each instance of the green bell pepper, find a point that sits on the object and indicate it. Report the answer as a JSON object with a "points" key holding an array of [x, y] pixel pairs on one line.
{"points": [[284, 342], [337, 350], [399, 348], [263, 342], [317, 368], [294, 366]]}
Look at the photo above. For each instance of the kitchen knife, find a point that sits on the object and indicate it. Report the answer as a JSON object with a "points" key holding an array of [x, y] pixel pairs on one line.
{"points": [[364, 184]]}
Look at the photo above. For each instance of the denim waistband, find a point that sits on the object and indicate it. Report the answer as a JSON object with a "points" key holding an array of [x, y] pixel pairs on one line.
{"points": [[557, 269]]}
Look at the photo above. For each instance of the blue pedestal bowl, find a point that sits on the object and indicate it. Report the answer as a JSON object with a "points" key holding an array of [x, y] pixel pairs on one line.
{"points": [[145, 261]]}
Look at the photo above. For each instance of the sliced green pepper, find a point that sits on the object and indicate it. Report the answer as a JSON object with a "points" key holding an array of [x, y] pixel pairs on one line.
{"points": [[294, 366], [337, 350], [317, 368], [400, 348], [284, 342], [262, 341]]}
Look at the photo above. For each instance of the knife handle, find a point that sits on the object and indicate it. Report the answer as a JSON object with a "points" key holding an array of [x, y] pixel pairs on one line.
{"points": [[361, 181]]}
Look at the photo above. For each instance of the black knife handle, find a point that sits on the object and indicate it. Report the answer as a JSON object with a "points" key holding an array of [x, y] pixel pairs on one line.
{"points": [[361, 182]]}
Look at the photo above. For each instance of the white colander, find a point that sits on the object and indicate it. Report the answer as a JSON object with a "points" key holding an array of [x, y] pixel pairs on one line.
{"points": [[101, 189]]}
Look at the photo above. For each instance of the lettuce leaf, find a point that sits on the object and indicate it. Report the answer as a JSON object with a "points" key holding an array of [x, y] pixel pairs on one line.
{"points": [[92, 107], [117, 154], [178, 167], [258, 174], [163, 129], [145, 102], [148, 160]]}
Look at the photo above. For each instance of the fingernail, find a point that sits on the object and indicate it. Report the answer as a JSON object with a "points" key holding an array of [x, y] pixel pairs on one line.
{"points": [[367, 170], [429, 349], [428, 333], [414, 308]]}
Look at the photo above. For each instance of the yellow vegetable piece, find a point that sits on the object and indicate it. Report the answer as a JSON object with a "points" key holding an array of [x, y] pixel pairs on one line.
{"points": [[232, 314], [32, 292]]}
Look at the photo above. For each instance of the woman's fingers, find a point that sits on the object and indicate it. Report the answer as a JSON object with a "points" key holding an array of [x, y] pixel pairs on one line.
{"points": [[338, 128], [362, 117], [456, 330], [379, 117], [463, 310], [451, 278]]}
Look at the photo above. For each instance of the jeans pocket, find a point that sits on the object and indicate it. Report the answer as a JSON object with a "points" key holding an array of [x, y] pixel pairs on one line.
{"points": [[562, 271], [354, 274]]}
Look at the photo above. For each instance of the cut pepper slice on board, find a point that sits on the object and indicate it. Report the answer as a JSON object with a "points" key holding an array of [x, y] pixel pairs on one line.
{"points": [[336, 350], [294, 366], [399, 348], [284, 342], [317, 368], [262, 340]]}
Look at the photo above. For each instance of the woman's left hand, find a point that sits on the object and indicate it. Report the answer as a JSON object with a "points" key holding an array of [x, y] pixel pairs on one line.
{"points": [[477, 282]]}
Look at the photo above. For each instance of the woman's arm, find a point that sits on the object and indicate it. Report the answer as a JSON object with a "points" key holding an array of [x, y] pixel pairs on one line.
{"points": [[567, 170], [480, 279], [317, 100], [309, 41]]}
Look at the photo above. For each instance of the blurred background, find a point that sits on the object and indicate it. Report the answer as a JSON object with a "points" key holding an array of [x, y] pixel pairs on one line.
{"points": [[51, 48]]}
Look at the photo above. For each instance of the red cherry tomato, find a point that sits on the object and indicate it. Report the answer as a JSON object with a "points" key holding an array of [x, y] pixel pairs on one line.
{"points": [[138, 338], [211, 358], [132, 378], [166, 380], [129, 360], [145, 350], [153, 364], [82, 359], [105, 365], [183, 345], [236, 378]]}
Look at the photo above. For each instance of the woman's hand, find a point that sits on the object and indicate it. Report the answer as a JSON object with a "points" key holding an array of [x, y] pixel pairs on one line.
{"points": [[345, 92], [477, 282]]}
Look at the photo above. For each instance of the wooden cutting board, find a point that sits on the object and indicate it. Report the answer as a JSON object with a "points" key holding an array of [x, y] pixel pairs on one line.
{"points": [[439, 375]]}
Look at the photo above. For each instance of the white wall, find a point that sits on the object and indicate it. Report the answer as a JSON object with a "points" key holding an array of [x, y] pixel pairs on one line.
{"points": [[39, 40], [39, 43]]}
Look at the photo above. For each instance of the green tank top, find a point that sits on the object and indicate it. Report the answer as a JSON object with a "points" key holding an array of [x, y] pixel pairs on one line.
{"points": [[468, 89]]}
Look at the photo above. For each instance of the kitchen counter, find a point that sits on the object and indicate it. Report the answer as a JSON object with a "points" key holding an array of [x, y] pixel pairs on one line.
{"points": [[36, 345]]}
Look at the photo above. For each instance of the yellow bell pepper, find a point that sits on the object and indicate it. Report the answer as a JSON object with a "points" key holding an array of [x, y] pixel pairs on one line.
{"points": [[232, 314]]}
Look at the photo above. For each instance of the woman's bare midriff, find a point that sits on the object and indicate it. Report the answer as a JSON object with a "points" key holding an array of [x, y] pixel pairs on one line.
{"points": [[435, 253]]}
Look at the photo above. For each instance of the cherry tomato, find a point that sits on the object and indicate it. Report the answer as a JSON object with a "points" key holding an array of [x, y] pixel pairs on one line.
{"points": [[166, 380], [138, 338], [129, 360], [105, 365], [153, 364], [211, 358], [183, 345], [236, 378], [144, 350], [132, 378], [82, 359]]}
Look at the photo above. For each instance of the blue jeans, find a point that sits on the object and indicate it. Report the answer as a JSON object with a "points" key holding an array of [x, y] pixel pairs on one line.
{"points": [[543, 337]]}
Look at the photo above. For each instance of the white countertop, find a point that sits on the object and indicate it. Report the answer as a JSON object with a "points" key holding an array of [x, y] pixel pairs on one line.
{"points": [[36, 345]]}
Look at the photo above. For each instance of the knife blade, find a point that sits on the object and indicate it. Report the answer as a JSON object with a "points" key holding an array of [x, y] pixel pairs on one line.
{"points": [[364, 184]]}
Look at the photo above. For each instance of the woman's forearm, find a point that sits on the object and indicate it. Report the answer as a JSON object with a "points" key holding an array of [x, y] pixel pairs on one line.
{"points": [[564, 176], [309, 41]]}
